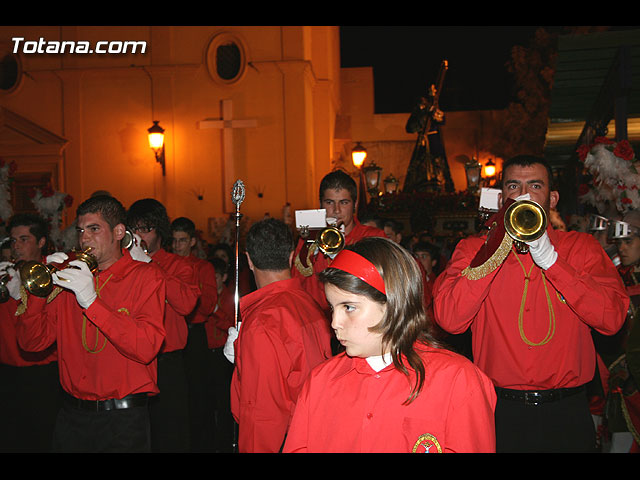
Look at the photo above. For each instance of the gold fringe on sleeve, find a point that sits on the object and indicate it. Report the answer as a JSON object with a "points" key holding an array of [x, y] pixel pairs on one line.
{"points": [[481, 271]]}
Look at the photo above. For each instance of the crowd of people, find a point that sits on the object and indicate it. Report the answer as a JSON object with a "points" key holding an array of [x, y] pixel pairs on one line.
{"points": [[391, 344]]}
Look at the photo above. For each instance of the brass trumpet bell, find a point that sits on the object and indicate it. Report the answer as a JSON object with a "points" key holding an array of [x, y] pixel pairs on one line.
{"points": [[330, 240], [525, 221], [37, 277]]}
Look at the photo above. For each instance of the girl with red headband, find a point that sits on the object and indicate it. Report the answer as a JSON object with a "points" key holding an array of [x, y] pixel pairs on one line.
{"points": [[393, 389]]}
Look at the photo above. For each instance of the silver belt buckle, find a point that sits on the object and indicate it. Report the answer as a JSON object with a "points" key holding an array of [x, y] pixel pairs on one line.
{"points": [[532, 398]]}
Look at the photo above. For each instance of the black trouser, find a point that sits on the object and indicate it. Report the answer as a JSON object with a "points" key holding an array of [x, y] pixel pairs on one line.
{"points": [[30, 398], [220, 386], [197, 358], [169, 410], [110, 431], [564, 425]]}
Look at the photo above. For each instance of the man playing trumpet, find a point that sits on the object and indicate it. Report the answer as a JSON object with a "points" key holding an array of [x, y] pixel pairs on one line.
{"points": [[30, 392], [108, 329], [531, 319], [338, 196]]}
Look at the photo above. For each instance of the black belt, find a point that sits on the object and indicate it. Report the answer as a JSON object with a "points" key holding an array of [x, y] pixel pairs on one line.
{"points": [[537, 397], [130, 401]]}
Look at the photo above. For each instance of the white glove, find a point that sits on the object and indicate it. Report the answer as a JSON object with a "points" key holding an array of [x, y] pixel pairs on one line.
{"points": [[228, 349], [13, 285], [79, 280], [4, 266], [136, 251], [542, 252], [57, 257]]}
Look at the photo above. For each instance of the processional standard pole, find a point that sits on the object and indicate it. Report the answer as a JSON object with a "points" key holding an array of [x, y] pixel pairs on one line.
{"points": [[237, 197]]}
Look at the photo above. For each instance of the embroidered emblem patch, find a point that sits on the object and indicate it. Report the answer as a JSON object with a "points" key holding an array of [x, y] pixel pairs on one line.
{"points": [[427, 443]]}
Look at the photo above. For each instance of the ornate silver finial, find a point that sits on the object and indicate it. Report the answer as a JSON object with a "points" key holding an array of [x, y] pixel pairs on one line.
{"points": [[238, 192]]}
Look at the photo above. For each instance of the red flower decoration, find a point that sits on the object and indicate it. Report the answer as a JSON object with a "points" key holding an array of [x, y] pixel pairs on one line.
{"points": [[626, 200], [623, 150], [47, 191], [13, 167], [582, 151], [603, 140], [583, 189]]}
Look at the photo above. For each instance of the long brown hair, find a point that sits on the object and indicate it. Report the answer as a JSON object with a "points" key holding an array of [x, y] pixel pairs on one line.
{"points": [[405, 321]]}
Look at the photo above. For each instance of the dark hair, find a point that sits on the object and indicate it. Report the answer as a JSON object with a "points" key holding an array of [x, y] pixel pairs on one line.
{"points": [[225, 247], [184, 224], [428, 247], [338, 180], [38, 226], [109, 207], [149, 212], [269, 244], [405, 321], [371, 217], [396, 226], [219, 265], [527, 161]]}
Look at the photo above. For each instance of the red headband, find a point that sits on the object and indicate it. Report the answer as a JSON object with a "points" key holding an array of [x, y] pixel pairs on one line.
{"points": [[355, 264]]}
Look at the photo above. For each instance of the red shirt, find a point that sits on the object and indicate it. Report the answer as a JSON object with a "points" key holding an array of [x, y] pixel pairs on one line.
{"points": [[108, 350], [321, 261], [347, 407], [283, 335], [585, 292], [205, 279], [182, 296], [10, 351], [223, 317]]}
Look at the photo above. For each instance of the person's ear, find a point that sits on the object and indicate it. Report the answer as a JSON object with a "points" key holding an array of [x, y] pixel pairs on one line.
{"points": [[119, 231]]}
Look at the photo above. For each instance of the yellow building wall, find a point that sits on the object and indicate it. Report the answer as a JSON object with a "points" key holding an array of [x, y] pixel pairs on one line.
{"points": [[104, 104]]}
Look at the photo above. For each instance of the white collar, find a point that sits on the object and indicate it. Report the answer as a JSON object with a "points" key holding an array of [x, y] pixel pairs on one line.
{"points": [[379, 362]]}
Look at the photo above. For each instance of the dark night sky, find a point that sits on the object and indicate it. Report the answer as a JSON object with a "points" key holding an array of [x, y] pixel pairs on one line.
{"points": [[406, 60]]}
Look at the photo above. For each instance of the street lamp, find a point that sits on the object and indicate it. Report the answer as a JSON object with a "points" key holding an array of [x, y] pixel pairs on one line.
{"points": [[156, 143], [358, 155]]}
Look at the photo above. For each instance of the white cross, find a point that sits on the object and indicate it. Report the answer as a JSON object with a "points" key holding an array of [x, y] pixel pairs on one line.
{"points": [[227, 124]]}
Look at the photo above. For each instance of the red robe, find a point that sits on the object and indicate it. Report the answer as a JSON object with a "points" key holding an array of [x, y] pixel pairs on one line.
{"points": [[108, 350], [205, 279], [585, 292], [347, 407], [182, 296], [10, 351], [283, 335], [221, 319], [321, 261]]}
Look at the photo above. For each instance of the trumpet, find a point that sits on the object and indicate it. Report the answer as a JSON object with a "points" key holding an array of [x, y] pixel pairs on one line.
{"points": [[330, 240], [37, 277], [525, 221], [326, 237], [129, 241]]}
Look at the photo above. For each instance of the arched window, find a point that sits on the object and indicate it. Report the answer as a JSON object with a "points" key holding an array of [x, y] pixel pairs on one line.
{"points": [[10, 70], [226, 58]]}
